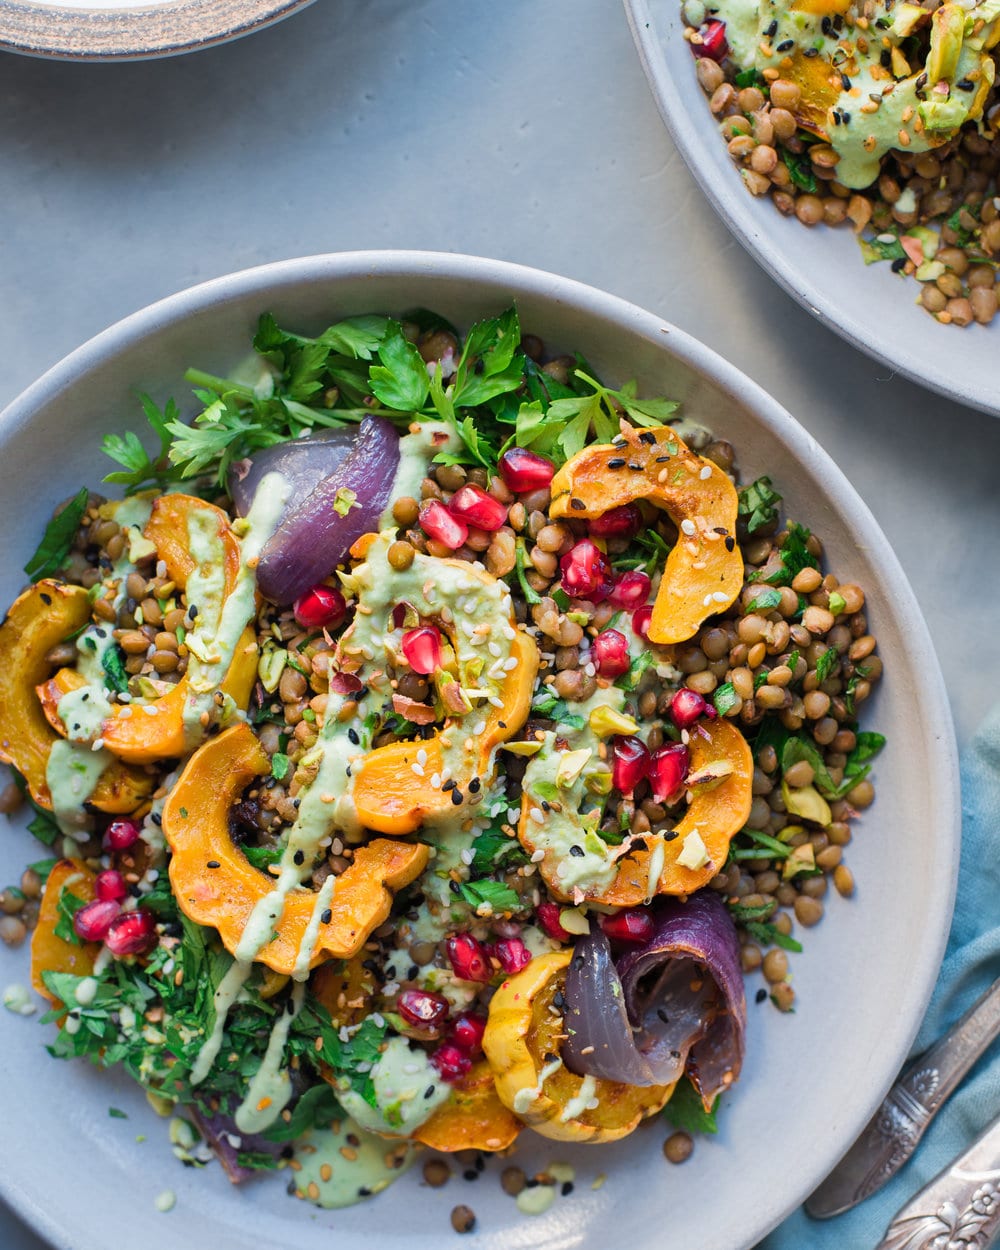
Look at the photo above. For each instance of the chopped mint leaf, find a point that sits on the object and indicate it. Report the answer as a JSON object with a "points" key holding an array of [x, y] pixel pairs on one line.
{"points": [[495, 893], [686, 1111], [141, 470], [115, 1114], [280, 764], [758, 503], [113, 663], [725, 698], [58, 538], [770, 935], [66, 908], [827, 664], [766, 601]]}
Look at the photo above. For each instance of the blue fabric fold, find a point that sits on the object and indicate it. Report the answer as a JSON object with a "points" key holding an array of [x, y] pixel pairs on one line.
{"points": [[971, 963]]}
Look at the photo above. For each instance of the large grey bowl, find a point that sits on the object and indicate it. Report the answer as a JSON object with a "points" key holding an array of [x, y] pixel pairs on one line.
{"points": [[872, 307], [81, 1178]]}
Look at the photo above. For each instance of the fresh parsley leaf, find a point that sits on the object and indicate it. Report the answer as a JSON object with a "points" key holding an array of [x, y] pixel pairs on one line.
{"points": [[113, 663], [257, 1160], [837, 603], [799, 170], [116, 1114], [66, 908], [521, 566], [140, 468], [686, 1111], [493, 847], [43, 867], [315, 1109], [884, 246], [262, 856], [498, 895], [766, 601], [786, 561], [750, 78], [760, 843], [769, 935], [758, 503], [58, 538], [280, 764], [636, 669], [725, 698], [741, 914], [400, 381], [827, 664]]}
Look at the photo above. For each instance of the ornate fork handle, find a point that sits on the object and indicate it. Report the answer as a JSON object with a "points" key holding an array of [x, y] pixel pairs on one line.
{"points": [[895, 1130], [959, 1209]]}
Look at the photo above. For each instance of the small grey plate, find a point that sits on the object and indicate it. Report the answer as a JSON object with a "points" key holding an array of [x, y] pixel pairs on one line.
{"points": [[870, 306], [811, 1080], [132, 30]]}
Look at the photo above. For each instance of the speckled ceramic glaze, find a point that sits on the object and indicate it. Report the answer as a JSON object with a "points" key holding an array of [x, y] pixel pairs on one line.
{"points": [[80, 1177], [129, 31], [822, 268]]}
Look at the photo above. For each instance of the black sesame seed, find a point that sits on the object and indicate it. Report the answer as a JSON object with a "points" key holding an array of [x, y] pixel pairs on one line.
{"points": [[429, 1091], [786, 45], [826, 26], [364, 1191], [616, 462], [576, 850], [450, 784], [353, 736], [299, 857], [730, 543], [662, 459], [964, 84], [192, 610], [578, 504], [475, 785], [648, 437], [845, 82], [567, 1188], [899, 264], [810, 52], [412, 972], [761, 995], [46, 599], [213, 863], [456, 797], [670, 835], [326, 916], [636, 468], [470, 1174], [772, 30], [454, 887]]}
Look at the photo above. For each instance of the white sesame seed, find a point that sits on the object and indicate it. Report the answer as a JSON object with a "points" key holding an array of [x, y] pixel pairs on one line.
{"points": [[421, 756], [707, 601], [706, 473], [479, 728], [513, 814], [720, 596], [436, 781], [537, 815], [510, 664], [495, 701], [495, 649], [417, 770], [687, 526], [467, 855], [537, 856], [97, 745], [150, 709]]}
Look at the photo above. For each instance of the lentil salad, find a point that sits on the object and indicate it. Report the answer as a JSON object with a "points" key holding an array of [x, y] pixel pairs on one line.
{"points": [[880, 116], [787, 660]]}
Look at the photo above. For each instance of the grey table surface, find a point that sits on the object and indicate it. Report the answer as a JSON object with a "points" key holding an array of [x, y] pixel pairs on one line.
{"points": [[523, 131]]}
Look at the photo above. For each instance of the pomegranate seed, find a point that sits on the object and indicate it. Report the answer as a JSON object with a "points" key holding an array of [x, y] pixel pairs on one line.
{"points": [[635, 924], [320, 608], [687, 706], [609, 651], [667, 770], [621, 522], [131, 933], [640, 620], [421, 1007], [422, 648], [467, 1032], [472, 505], [439, 524], [585, 571], [468, 958], [110, 884], [631, 590], [548, 919], [451, 1063], [92, 921], [512, 954], [630, 763], [713, 41], [120, 835], [522, 470]]}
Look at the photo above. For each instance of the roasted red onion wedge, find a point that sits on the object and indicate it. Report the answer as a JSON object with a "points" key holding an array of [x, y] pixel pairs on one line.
{"points": [[328, 509], [222, 1135], [675, 1003], [304, 461]]}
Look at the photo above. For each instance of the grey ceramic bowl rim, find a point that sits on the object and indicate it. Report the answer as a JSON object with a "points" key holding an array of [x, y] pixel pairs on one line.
{"points": [[510, 280], [728, 199], [131, 34]]}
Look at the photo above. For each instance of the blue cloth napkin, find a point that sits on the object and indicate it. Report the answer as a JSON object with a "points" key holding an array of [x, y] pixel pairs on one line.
{"points": [[972, 962]]}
